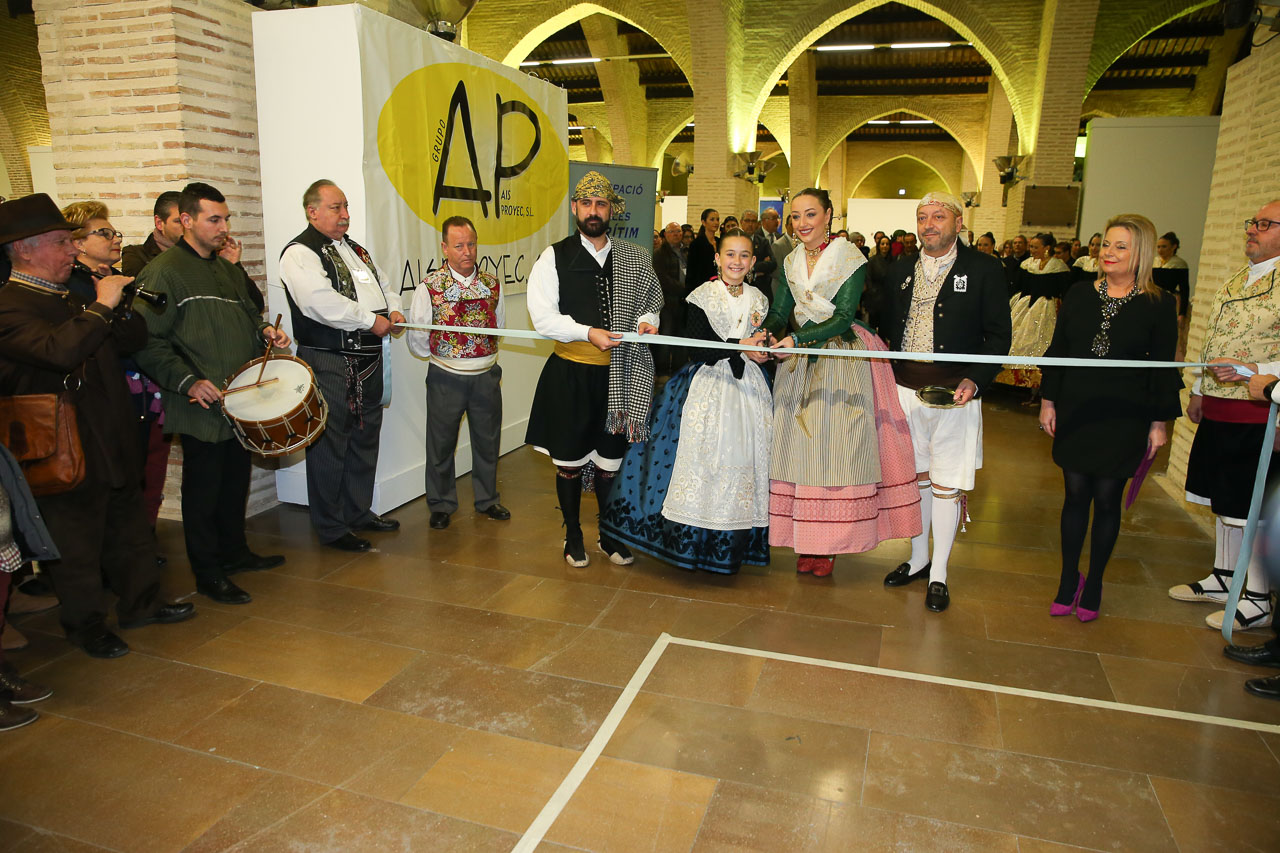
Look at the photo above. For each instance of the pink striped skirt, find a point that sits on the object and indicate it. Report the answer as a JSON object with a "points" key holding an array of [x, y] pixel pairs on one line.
{"points": [[824, 520]]}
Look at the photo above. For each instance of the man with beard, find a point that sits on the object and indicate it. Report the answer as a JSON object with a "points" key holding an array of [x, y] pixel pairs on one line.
{"points": [[594, 393], [208, 331], [343, 307], [949, 298]]}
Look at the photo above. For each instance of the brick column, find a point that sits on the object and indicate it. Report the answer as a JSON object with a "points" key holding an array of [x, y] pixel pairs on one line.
{"points": [[1248, 149], [990, 215], [144, 96], [624, 98], [802, 88], [716, 74], [1063, 69], [835, 184]]}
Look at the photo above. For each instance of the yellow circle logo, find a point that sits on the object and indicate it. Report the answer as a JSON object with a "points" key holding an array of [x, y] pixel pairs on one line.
{"points": [[458, 140]]}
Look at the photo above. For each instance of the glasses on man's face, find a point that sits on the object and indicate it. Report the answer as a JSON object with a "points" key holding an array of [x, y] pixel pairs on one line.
{"points": [[1260, 224], [108, 233]]}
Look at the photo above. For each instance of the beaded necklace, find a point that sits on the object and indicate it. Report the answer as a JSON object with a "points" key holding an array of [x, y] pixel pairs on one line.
{"points": [[1111, 306]]}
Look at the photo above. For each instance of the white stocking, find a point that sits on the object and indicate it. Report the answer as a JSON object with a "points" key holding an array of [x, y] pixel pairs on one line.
{"points": [[946, 521], [920, 543]]}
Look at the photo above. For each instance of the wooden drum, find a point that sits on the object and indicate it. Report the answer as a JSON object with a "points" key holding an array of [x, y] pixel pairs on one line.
{"points": [[286, 412]]}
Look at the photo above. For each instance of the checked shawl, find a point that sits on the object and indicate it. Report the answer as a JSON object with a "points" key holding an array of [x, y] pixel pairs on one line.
{"points": [[636, 292]]}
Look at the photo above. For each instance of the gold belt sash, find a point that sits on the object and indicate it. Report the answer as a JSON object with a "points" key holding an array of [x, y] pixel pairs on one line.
{"points": [[583, 352]]}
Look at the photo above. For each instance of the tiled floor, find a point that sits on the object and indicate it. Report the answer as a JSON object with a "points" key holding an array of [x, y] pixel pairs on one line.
{"points": [[433, 695]]}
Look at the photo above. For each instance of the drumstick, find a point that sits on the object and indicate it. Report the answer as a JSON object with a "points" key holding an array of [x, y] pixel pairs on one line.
{"points": [[254, 385], [266, 355], [242, 388]]}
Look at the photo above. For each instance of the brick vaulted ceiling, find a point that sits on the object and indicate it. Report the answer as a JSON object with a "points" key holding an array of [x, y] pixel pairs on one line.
{"points": [[1169, 58]]}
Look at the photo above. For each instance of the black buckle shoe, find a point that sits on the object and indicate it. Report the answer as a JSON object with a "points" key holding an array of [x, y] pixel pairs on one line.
{"points": [[350, 542], [902, 575], [439, 520], [101, 643], [252, 562], [1267, 688], [497, 512], [1253, 655], [165, 614], [378, 524], [937, 598], [223, 591]]}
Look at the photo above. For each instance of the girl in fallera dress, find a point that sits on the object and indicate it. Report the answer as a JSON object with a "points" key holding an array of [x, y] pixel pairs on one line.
{"points": [[696, 494]]}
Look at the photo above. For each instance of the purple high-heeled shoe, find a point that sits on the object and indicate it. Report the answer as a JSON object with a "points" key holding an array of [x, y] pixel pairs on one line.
{"points": [[1086, 615], [1057, 609]]}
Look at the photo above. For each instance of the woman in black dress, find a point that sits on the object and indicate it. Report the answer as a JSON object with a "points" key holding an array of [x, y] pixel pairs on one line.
{"points": [[1105, 422], [702, 254], [877, 274]]}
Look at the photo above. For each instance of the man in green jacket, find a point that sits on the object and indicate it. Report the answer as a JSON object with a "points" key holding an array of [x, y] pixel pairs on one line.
{"points": [[208, 331]]}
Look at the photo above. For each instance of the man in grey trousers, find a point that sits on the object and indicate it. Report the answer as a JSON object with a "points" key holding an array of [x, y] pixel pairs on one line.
{"points": [[464, 376], [343, 307]]}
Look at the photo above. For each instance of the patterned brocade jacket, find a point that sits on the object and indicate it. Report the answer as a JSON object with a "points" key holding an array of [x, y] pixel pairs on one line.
{"points": [[455, 304]]}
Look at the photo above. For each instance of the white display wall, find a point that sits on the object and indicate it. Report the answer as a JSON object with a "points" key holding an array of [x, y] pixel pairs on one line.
{"points": [[1160, 167]]}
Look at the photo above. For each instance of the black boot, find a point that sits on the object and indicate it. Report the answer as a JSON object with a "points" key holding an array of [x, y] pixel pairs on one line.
{"points": [[569, 493]]}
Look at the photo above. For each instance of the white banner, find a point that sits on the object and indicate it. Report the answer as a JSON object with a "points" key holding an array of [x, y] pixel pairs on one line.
{"points": [[414, 130]]}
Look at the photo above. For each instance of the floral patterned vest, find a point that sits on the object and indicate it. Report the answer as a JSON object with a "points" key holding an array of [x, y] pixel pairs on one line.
{"points": [[1243, 323], [453, 304]]}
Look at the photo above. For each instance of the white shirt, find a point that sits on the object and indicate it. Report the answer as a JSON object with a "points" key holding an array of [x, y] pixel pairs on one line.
{"points": [[422, 312], [543, 297], [303, 276], [1261, 268], [933, 266], [1174, 263]]}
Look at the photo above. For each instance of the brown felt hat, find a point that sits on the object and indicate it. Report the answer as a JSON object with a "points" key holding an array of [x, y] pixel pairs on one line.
{"points": [[30, 215]]}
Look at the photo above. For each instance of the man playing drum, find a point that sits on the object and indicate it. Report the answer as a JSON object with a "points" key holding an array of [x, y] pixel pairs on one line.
{"points": [[209, 329], [343, 307]]}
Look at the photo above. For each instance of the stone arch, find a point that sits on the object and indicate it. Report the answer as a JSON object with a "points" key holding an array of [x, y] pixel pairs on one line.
{"points": [[667, 133], [931, 167], [1011, 48], [780, 127], [829, 140], [1123, 23], [502, 31]]}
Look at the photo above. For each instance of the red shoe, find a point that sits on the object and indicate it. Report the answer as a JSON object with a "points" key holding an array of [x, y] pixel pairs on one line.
{"points": [[822, 566], [804, 565]]}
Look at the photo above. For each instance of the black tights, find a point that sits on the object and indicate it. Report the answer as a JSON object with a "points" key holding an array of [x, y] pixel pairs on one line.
{"points": [[1106, 494]]}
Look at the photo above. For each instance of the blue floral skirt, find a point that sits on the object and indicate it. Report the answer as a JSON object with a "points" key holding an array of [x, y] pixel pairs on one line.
{"points": [[634, 512]]}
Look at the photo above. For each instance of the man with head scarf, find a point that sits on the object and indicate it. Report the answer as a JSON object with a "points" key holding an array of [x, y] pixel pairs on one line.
{"points": [[947, 298], [594, 393]]}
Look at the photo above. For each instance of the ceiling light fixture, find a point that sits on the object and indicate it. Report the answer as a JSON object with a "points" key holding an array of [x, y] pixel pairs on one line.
{"points": [[840, 48], [911, 45], [916, 121], [879, 121], [581, 60]]}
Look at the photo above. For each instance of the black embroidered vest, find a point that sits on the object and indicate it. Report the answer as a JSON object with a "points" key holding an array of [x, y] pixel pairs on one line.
{"points": [[310, 333], [581, 280]]}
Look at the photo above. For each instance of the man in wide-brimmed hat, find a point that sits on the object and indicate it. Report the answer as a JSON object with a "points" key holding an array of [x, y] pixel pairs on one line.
{"points": [[52, 342], [594, 393]]}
